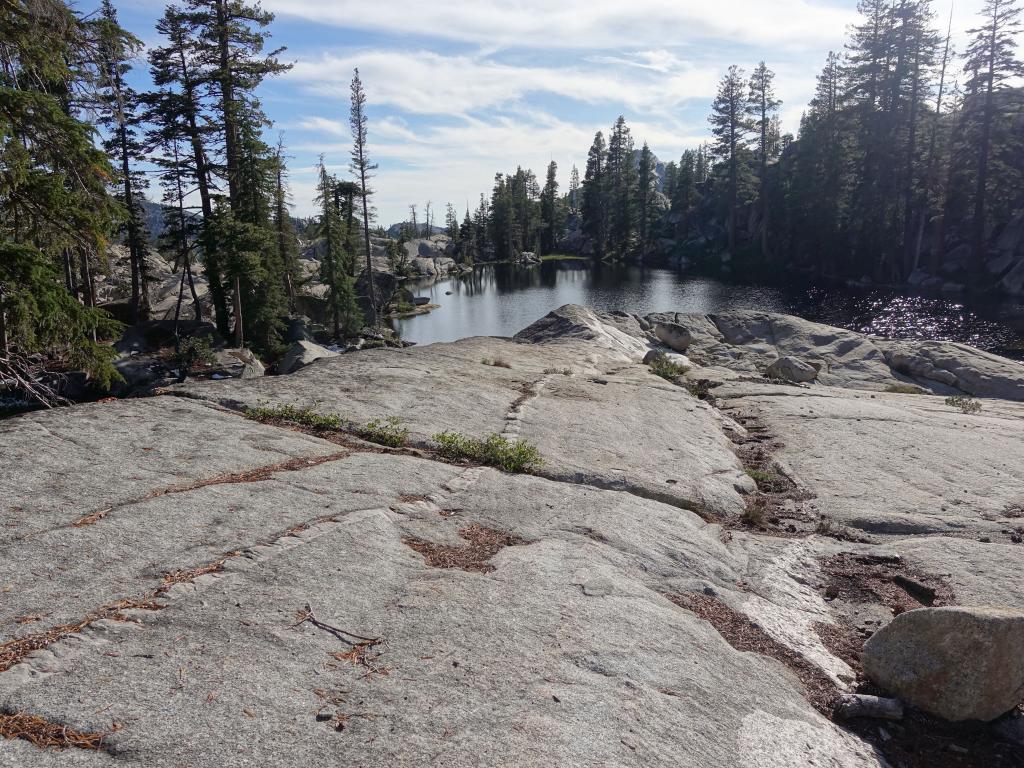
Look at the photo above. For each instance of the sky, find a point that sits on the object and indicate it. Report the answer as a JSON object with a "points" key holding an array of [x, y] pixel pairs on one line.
{"points": [[458, 91]]}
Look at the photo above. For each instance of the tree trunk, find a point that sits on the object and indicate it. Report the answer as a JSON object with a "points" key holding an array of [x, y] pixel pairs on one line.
{"points": [[192, 289], [983, 157], [239, 328]]}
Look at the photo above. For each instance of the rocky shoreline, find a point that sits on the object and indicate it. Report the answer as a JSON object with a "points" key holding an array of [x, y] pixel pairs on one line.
{"points": [[268, 571]]}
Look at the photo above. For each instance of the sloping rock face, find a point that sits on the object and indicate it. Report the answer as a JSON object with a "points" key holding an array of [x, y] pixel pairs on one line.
{"points": [[202, 589]]}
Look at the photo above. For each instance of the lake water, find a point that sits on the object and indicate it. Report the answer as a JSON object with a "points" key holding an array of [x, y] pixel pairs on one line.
{"points": [[501, 299]]}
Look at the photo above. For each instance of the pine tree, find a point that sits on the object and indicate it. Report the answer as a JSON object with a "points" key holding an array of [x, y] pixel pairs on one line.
{"points": [[763, 107], [731, 126], [621, 186], [362, 169], [287, 242], [121, 114], [341, 300], [549, 210], [646, 190], [177, 109], [991, 64], [53, 199], [594, 207], [574, 191]]}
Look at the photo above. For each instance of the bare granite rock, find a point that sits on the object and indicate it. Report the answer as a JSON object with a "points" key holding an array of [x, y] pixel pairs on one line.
{"points": [[202, 589], [956, 663]]}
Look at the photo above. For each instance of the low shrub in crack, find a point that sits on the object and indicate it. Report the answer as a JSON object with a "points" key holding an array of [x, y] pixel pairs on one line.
{"points": [[661, 365], [306, 416], [496, 362], [756, 513], [905, 389], [389, 432], [965, 403], [494, 450]]}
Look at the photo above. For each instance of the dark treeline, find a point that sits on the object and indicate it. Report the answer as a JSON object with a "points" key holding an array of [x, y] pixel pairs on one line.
{"points": [[80, 148], [910, 153]]}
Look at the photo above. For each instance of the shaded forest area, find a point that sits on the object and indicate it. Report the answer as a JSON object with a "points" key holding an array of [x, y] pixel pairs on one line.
{"points": [[81, 149]]}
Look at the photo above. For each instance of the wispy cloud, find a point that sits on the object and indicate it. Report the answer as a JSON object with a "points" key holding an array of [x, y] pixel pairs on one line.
{"points": [[585, 24]]}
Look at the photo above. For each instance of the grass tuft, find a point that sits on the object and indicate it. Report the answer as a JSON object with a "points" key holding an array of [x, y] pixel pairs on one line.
{"points": [[307, 417], [905, 389], [388, 432], [965, 403], [661, 365], [494, 450]]}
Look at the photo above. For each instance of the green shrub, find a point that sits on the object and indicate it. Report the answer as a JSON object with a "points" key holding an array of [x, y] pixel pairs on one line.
{"points": [[389, 432], [905, 389], [194, 352], [965, 403], [556, 371], [699, 389], [307, 417], [669, 370], [826, 526], [755, 513], [494, 450]]}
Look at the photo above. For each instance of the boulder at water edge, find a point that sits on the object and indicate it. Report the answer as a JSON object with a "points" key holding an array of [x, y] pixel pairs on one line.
{"points": [[955, 663]]}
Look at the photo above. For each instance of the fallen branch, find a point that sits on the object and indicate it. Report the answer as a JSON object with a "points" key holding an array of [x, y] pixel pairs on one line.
{"points": [[306, 614], [852, 705]]}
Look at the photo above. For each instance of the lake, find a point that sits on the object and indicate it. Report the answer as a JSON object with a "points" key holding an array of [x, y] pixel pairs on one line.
{"points": [[501, 299]]}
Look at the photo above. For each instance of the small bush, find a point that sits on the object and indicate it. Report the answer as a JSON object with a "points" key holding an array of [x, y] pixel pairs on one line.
{"points": [[826, 526], [194, 352], [699, 389], [556, 371], [905, 389], [307, 417], [755, 514], [495, 451], [965, 403], [764, 480], [389, 432], [497, 362], [669, 370]]}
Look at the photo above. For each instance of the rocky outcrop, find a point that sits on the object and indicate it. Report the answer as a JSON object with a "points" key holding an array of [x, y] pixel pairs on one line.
{"points": [[956, 663], [685, 579], [301, 354], [792, 369]]}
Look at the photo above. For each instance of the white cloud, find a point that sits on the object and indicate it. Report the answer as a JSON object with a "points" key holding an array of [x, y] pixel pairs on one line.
{"points": [[428, 83], [593, 24]]}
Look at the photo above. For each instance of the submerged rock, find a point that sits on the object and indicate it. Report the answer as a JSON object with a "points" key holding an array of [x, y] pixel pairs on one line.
{"points": [[955, 663]]}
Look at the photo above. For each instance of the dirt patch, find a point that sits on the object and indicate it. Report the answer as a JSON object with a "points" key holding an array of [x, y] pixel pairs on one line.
{"points": [[14, 651], [410, 498], [776, 492], [46, 735], [91, 519], [743, 635], [182, 576], [484, 543], [253, 475], [888, 581]]}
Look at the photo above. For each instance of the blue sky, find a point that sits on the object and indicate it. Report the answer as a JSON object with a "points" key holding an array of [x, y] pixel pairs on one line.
{"points": [[458, 91]]}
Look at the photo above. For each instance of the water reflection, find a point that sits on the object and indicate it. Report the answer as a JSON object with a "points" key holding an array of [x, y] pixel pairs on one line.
{"points": [[498, 300]]}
